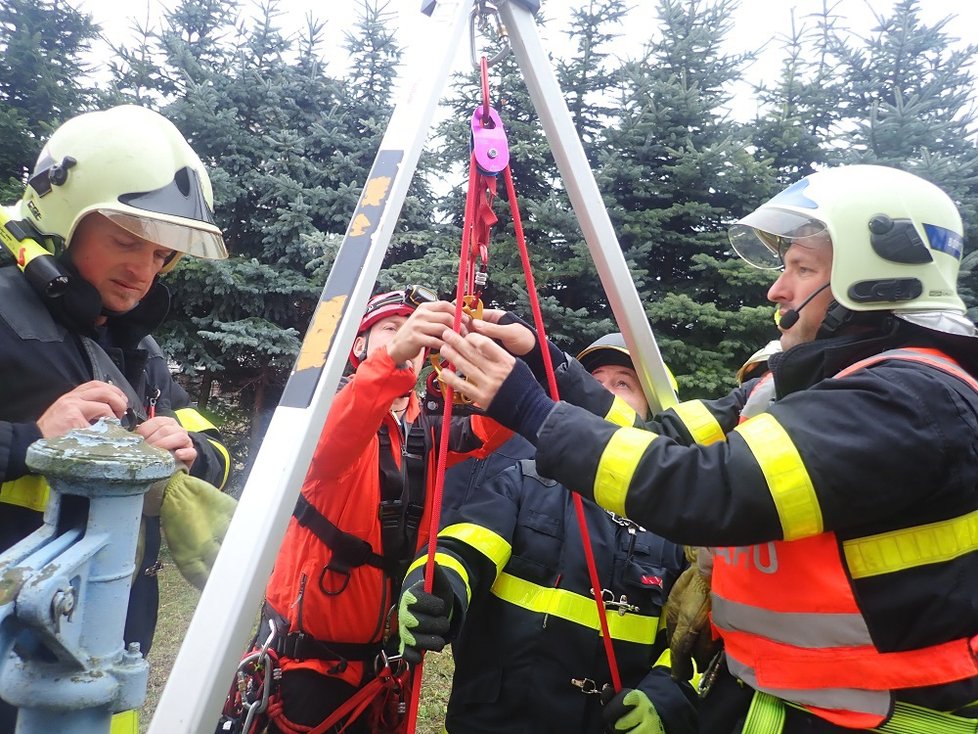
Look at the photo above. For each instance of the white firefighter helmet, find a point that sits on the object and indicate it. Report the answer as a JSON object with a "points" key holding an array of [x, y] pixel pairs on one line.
{"points": [[897, 239], [133, 166]]}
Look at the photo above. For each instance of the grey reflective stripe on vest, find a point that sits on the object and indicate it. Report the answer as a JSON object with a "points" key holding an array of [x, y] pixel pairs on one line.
{"points": [[800, 629], [760, 398], [860, 700]]}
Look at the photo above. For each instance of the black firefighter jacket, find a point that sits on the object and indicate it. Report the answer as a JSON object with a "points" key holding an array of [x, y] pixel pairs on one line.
{"points": [[531, 627], [42, 357], [891, 448]]}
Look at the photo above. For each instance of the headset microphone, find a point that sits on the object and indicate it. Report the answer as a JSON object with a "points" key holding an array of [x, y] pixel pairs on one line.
{"points": [[790, 317]]}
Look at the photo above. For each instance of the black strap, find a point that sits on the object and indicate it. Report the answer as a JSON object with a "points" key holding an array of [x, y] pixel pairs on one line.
{"points": [[348, 551], [104, 369], [402, 498], [300, 646]]}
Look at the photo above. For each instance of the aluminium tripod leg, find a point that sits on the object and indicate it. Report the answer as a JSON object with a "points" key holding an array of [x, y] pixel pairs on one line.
{"points": [[205, 664], [587, 202]]}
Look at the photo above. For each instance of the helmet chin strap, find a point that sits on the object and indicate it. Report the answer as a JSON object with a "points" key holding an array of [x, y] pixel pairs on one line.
{"points": [[836, 316]]}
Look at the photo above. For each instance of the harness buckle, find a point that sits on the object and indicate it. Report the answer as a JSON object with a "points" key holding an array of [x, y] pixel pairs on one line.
{"points": [[390, 513]]}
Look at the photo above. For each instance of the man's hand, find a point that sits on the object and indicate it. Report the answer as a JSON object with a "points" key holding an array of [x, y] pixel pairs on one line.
{"points": [[687, 613], [514, 335], [630, 711], [422, 330], [165, 432], [484, 363], [424, 620], [79, 407]]}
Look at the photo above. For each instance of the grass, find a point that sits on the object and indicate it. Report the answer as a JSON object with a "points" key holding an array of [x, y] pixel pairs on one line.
{"points": [[178, 599]]}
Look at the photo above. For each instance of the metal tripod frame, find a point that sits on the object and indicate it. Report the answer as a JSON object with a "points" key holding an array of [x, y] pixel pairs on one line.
{"points": [[217, 634]]}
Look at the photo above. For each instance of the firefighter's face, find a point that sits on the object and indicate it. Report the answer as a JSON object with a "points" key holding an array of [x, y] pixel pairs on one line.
{"points": [[623, 382], [807, 267], [119, 264]]}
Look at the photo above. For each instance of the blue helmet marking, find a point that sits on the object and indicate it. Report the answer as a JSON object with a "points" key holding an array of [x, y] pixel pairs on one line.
{"points": [[945, 240]]}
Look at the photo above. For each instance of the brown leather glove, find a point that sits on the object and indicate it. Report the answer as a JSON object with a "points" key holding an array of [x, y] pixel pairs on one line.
{"points": [[687, 612]]}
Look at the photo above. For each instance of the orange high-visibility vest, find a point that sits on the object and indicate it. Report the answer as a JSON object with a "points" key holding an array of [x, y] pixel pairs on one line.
{"points": [[792, 627]]}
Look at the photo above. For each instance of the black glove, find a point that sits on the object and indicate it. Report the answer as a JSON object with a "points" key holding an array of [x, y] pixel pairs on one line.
{"points": [[425, 620], [629, 711]]}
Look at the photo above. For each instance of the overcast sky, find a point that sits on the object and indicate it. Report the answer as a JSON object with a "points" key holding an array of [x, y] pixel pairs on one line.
{"points": [[755, 23]]}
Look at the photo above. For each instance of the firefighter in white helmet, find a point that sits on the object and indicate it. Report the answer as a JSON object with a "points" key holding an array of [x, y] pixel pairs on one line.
{"points": [[842, 517], [115, 199]]}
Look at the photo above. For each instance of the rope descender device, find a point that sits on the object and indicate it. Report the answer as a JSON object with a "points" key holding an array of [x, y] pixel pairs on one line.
{"points": [[489, 156]]}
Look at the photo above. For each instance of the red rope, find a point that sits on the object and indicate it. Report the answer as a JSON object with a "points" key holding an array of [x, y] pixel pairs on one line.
{"points": [[592, 568], [465, 275], [478, 221]]}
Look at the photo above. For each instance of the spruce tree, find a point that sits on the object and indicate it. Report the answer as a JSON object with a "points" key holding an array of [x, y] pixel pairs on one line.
{"points": [[42, 80], [677, 170]]}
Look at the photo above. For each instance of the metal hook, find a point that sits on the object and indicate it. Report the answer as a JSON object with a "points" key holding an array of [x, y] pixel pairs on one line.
{"points": [[482, 10]]}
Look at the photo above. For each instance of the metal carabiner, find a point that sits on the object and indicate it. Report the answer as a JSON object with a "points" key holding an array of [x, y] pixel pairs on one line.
{"points": [[619, 604], [482, 10], [587, 685]]}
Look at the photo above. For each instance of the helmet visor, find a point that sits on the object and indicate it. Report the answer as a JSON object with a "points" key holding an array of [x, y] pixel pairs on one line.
{"points": [[205, 243], [763, 236]]}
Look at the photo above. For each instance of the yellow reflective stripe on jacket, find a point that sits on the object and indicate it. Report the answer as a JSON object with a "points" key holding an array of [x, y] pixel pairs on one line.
{"points": [[125, 722], [192, 420], [443, 559], [786, 475], [897, 550], [447, 561], [572, 607], [617, 467], [227, 460], [621, 413], [30, 491], [699, 421], [492, 545]]}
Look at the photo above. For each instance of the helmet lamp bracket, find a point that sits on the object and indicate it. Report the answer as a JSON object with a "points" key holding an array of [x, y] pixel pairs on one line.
{"points": [[897, 240], [888, 290], [55, 175]]}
